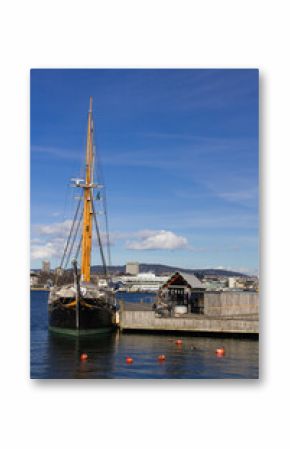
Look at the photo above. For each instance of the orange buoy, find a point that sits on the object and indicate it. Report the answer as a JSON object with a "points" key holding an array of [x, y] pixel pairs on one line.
{"points": [[178, 342], [83, 356], [129, 360], [161, 358], [220, 352]]}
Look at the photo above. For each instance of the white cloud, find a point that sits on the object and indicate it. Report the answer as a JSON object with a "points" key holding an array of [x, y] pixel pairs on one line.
{"points": [[248, 196], [48, 241], [60, 229], [47, 250], [157, 240]]}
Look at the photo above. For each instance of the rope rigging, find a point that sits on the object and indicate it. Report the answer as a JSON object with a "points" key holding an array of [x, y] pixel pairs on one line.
{"points": [[99, 237], [73, 241], [70, 233], [99, 175], [78, 248]]}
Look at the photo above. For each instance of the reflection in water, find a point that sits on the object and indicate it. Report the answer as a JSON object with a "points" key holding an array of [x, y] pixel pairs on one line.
{"points": [[58, 357], [64, 356]]}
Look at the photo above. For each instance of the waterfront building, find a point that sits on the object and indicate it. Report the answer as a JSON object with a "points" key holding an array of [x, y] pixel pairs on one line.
{"points": [[249, 283], [34, 277], [132, 268], [142, 282], [183, 292], [45, 266]]}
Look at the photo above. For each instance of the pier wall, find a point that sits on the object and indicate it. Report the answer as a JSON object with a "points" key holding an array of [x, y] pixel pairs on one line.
{"points": [[231, 303], [146, 320]]}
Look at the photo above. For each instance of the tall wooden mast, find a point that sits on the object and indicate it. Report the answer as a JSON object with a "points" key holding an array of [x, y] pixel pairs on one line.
{"points": [[88, 209]]}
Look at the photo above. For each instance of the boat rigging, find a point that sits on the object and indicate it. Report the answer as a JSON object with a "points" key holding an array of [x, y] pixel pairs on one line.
{"points": [[84, 307]]}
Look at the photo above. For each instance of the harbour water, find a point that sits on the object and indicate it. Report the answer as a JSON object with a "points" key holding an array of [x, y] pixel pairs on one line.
{"points": [[58, 357]]}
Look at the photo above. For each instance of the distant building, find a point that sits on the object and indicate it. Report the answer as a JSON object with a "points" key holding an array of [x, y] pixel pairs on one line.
{"points": [[142, 282], [132, 268], [249, 283], [232, 282], [215, 282], [59, 271], [45, 266], [33, 279], [252, 283]]}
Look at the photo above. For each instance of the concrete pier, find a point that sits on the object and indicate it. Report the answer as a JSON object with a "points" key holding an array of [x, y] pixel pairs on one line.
{"points": [[140, 317]]}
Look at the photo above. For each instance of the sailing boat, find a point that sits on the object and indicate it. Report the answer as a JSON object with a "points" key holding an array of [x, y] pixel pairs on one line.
{"points": [[83, 307]]}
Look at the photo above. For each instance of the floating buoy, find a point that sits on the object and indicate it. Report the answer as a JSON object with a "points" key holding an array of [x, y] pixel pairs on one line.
{"points": [[161, 358], [129, 360], [83, 356], [178, 342], [220, 352]]}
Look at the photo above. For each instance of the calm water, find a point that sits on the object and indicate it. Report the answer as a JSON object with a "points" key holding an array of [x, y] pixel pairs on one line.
{"points": [[57, 357]]}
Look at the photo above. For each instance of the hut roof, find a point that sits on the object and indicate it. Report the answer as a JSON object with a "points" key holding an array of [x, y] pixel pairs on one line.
{"points": [[191, 280]]}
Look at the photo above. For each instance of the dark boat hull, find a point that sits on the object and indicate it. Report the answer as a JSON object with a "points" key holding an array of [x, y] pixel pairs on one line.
{"points": [[95, 320]]}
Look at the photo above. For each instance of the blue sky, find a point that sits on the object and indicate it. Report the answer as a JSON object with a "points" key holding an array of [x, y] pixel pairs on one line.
{"points": [[179, 151]]}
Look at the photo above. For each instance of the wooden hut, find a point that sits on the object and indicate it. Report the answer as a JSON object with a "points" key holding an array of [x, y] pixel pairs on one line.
{"points": [[183, 289]]}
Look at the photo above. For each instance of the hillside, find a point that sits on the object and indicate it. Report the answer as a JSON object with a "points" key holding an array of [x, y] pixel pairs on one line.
{"points": [[160, 269]]}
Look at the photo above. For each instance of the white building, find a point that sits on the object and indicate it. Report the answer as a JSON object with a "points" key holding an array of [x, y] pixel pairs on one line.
{"points": [[232, 282], [147, 282], [132, 268], [33, 279], [45, 266]]}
